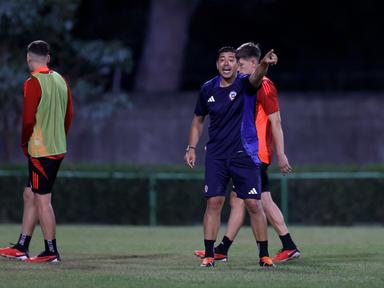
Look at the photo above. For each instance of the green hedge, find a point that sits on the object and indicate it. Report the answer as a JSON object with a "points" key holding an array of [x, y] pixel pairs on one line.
{"points": [[179, 202], [336, 202]]}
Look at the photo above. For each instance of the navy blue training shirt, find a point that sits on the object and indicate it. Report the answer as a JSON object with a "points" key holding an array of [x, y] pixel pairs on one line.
{"points": [[232, 117]]}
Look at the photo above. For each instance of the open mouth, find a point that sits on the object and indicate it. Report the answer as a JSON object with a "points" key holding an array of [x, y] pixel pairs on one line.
{"points": [[227, 70]]}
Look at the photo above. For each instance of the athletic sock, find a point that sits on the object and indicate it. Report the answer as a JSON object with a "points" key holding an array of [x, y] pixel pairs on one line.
{"points": [[50, 246], [263, 248], [287, 242], [209, 248], [23, 242], [224, 245]]}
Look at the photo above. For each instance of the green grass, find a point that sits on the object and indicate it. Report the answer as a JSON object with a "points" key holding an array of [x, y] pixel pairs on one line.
{"points": [[127, 256]]}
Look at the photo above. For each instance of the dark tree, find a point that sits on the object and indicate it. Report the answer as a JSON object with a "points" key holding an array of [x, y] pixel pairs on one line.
{"points": [[161, 63]]}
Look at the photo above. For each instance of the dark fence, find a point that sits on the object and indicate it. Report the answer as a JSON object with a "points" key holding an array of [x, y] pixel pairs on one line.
{"points": [[324, 198]]}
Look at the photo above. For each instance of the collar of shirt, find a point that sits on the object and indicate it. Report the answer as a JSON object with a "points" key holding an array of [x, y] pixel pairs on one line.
{"points": [[40, 69]]}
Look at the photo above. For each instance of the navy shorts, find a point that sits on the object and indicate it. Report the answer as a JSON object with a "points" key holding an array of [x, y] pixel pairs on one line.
{"points": [[264, 179], [42, 174], [241, 169]]}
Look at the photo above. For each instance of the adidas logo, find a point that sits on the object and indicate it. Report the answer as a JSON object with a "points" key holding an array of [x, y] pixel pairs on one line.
{"points": [[211, 99], [253, 191]]}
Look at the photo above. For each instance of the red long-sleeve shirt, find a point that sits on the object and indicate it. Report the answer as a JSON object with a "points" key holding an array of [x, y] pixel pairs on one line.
{"points": [[267, 103]]}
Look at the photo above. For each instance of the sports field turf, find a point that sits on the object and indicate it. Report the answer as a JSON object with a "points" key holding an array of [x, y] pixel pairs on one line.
{"points": [[127, 256]]}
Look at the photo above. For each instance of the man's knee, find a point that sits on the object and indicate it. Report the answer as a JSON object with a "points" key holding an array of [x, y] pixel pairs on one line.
{"points": [[28, 195], [254, 206], [267, 201], [236, 203], [215, 203]]}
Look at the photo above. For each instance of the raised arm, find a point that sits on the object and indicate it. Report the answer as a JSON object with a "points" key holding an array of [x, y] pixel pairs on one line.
{"points": [[261, 70], [194, 137]]}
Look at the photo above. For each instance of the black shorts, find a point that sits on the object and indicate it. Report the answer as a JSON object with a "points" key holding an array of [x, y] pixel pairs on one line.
{"points": [[42, 174], [264, 178]]}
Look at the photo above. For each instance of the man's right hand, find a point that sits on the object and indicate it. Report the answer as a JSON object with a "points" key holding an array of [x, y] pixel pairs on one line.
{"points": [[190, 158], [270, 58], [284, 166]]}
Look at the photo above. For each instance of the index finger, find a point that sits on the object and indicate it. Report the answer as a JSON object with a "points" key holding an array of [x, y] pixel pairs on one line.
{"points": [[270, 52]]}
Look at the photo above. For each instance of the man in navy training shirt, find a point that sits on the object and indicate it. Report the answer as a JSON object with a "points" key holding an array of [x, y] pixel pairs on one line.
{"points": [[232, 150]]}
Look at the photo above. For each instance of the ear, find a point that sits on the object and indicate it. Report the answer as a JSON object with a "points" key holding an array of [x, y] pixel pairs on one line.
{"points": [[48, 58], [254, 62]]}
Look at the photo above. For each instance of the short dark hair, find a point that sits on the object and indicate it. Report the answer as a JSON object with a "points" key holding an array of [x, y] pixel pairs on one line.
{"points": [[39, 47], [225, 49], [248, 50]]}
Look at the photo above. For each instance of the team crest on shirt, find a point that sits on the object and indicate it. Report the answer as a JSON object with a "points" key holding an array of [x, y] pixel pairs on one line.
{"points": [[232, 95]]}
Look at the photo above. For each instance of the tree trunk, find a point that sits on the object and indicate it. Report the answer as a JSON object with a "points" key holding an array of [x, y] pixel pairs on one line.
{"points": [[161, 63]]}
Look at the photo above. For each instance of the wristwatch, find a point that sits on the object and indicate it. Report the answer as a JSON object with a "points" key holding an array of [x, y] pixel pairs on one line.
{"points": [[189, 147]]}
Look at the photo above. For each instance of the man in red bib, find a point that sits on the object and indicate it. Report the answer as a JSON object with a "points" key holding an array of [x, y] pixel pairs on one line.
{"points": [[47, 116]]}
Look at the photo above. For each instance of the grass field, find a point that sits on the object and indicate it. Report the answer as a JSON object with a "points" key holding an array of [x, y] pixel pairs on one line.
{"points": [[127, 256]]}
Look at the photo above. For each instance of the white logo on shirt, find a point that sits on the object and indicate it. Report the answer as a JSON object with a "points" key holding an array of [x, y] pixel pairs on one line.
{"points": [[232, 95], [211, 99], [253, 191]]}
